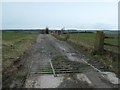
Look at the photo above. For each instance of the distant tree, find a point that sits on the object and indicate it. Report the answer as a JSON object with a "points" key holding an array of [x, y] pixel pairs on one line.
{"points": [[47, 30]]}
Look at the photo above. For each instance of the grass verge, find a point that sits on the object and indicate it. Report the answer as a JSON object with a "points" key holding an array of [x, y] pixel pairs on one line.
{"points": [[14, 47]]}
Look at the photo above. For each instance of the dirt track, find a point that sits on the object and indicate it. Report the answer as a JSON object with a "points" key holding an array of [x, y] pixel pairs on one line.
{"points": [[44, 50]]}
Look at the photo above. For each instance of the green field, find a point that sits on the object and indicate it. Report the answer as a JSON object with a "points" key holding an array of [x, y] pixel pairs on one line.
{"points": [[89, 40], [14, 44]]}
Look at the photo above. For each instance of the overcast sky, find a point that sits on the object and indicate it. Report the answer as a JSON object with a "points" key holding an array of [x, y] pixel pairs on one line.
{"points": [[77, 15]]}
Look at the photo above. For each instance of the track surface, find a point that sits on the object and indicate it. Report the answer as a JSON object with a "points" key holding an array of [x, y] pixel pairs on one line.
{"points": [[37, 61]]}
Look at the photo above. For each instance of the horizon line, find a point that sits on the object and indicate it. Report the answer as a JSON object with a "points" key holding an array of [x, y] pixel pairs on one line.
{"points": [[53, 29]]}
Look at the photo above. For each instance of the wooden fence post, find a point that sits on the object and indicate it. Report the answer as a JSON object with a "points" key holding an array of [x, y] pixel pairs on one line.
{"points": [[99, 42], [67, 36]]}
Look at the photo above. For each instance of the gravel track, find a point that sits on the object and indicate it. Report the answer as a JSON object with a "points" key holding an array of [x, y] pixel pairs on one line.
{"points": [[44, 50]]}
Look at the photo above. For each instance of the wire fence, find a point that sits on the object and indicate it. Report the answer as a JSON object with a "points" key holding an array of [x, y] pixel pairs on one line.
{"points": [[91, 40]]}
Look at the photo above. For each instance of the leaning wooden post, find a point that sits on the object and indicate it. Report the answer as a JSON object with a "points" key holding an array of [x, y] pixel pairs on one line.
{"points": [[99, 42], [67, 36]]}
